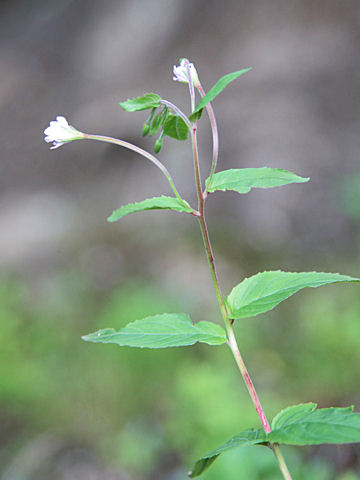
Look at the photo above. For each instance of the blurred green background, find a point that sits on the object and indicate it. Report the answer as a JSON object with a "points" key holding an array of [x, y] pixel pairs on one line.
{"points": [[74, 410]]}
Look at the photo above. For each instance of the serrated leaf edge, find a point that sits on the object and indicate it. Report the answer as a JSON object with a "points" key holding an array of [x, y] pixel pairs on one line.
{"points": [[350, 279], [210, 189], [185, 205]]}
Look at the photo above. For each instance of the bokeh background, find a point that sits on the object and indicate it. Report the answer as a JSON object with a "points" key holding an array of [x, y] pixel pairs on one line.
{"points": [[74, 410]]}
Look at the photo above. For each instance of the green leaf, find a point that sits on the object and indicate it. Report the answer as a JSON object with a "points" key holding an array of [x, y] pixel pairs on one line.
{"points": [[243, 439], [264, 291], [242, 180], [215, 90], [161, 331], [305, 425], [149, 100], [175, 127], [155, 203], [297, 425]]}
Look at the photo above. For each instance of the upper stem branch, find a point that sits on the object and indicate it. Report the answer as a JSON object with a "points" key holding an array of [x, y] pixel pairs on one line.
{"points": [[177, 110], [142, 152], [215, 136]]}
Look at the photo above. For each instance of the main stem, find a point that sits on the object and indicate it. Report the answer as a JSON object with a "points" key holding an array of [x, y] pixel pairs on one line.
{"points": [[234, 346], [228, 322], [281, 461]]}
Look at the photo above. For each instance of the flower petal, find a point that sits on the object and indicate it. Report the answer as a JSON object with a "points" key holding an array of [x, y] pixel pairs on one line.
{"points": [[60, 132]]}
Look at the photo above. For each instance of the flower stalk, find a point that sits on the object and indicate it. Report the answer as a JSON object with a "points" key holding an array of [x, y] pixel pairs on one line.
{"points": [[144, 153], [215, 137], [60, 132]]}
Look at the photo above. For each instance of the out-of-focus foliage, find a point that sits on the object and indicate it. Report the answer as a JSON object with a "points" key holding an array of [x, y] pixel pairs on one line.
{"points": [[145, 412]]}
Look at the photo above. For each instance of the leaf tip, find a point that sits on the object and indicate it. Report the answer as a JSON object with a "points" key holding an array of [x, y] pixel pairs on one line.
{"points": [[111, 218]]}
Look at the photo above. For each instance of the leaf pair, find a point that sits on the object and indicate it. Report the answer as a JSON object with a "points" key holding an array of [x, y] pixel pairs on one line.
{"points": [[240, 180], [252, 296], [297, 425]]}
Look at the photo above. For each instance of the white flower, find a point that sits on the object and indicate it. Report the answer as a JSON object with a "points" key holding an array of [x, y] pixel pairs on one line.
{"points": [[181, 72], [60, 132]]}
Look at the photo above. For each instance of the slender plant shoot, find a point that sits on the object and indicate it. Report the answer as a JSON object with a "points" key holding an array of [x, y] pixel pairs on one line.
{"points": [[302, 424]]}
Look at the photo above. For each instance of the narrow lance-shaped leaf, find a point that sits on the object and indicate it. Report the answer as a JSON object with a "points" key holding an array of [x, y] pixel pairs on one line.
{"points": [[149, 100], [242, 180], [155, 203], [161, 331], [264, 291], [297, 425], [215, 90]]}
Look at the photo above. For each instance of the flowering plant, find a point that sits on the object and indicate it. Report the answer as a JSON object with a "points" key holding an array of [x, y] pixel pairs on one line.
{"points": [[302, 424]]}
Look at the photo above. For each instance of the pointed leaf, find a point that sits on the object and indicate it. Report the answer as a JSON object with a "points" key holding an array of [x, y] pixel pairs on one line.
{"points": [[297, 425], [155, 203], [242, 180], [306, 425], [264, 291], [149, 100], [243, 439], [175, 127], [215, 90], [161, 331]]}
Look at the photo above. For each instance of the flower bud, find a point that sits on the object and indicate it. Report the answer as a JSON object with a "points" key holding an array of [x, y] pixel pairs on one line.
{"points": [[158, 144], [145, 129]]}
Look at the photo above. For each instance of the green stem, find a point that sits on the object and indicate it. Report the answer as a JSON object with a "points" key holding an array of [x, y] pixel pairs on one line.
{"points": [[215, 136], [234, 346], [245, 374], [177, 110], [281, 461], [228, 322], [142, 152]]}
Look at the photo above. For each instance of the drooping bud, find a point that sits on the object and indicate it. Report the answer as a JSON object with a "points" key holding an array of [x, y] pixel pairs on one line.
{"points": [[145, 129], [158, 144], [146, 126]]}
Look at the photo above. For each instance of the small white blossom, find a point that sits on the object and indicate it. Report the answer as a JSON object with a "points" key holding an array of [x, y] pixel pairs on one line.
{"points": [[181, 72], [60, 132]]}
